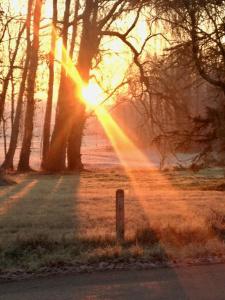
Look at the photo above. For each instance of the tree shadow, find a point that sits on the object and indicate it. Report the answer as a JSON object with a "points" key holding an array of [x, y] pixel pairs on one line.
{"points": [[11, 197], [42, 205], [147, 236], [11, 190]]}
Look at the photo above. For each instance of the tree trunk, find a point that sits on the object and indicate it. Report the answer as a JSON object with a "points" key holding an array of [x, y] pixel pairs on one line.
{"points": [[8, 162], [4, 134], [48, 112], [74, 32], [24, 164], [74, 147], [56, 156], [88, 47], [75, 140], [12, 113]]}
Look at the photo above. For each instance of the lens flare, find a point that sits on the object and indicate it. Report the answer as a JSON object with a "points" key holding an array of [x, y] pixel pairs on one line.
{"points": [[129, 154], [92, 95]]}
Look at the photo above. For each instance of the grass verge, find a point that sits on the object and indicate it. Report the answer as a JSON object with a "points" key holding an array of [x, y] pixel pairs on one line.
{"points": [[53, 221]]}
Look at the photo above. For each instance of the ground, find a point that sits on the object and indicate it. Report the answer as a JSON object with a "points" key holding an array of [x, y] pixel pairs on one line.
{"points": [[56, 221], [197, 282]]}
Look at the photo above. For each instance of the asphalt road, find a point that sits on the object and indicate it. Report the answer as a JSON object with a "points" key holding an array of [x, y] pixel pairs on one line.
{"points": [[199, 282]]}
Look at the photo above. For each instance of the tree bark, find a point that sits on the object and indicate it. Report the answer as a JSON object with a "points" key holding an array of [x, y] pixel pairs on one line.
{"points": [[48, 112], [88, 47], [24, 160], [56, 156], [4, 134], [74, 32], [8, 162], [74, 147]]}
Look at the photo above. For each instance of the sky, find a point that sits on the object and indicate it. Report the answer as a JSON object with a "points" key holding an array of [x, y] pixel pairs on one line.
{"points": [[115, 63]]}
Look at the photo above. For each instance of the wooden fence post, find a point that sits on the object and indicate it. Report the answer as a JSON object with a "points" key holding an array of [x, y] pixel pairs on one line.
{"points": [[120, 216]]}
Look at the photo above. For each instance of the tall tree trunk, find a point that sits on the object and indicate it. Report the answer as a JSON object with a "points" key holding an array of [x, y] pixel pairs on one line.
{"points": [[56, 157], [24, 164], [48, 112], [4, 134], [88, 47], [74, 32], [75, 141], [12, 113]]}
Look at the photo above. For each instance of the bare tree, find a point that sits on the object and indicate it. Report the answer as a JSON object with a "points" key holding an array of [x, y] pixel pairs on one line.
{"points": [[48, 112], [57, 151], [199, 26], [28, 125], [97, 18], [8, 162], [6, 80]]}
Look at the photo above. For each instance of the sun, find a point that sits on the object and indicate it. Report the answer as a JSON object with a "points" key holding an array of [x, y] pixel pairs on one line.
{"points": [[92, 95]]}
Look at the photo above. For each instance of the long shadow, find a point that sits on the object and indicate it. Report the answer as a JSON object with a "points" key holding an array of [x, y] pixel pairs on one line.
{"points": [[10, 191], [14, 196], [148, 237], [46, 208]]}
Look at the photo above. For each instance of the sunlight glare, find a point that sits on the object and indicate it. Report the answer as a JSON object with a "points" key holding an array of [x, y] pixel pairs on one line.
{"points": [[58, 49], [130, 156], [92, 95], [128, 153]]}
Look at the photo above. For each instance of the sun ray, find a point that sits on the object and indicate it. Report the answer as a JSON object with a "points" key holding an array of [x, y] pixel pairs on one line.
{"points": [[128, 153]]}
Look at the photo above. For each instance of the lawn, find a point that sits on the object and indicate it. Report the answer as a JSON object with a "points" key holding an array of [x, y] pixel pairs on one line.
{"points": [[59, 220]]}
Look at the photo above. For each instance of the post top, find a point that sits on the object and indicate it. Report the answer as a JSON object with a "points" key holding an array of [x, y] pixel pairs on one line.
{"points": [[120, 193]]}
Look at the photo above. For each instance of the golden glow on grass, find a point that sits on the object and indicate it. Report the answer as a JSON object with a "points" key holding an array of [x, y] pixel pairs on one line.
{"points": [[132, 159], [128, 153]]}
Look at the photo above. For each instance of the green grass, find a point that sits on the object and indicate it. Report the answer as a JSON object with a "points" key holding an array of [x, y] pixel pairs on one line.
{"points": [[57, 220]]}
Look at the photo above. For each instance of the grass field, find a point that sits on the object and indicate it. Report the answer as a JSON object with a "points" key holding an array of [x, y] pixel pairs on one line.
{"points": [[56, 220]]}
